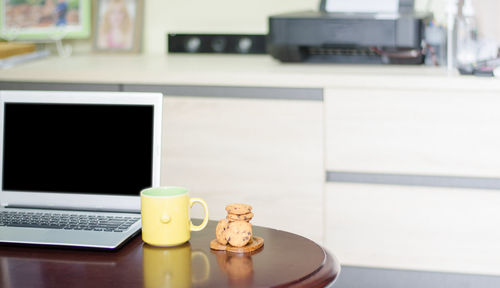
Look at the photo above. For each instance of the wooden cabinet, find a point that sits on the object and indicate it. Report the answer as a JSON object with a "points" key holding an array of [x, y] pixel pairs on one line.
{"points": [[445, 132], [437, 229], [268, 153], [444, 138]]}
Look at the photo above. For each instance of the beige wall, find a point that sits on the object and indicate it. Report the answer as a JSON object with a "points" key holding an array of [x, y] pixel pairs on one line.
{"points": [[486, 12], [437, 7], [488, 22]]}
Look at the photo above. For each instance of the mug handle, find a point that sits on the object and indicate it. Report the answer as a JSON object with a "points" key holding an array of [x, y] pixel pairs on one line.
{"points": [[206, 264], [205, 220]]}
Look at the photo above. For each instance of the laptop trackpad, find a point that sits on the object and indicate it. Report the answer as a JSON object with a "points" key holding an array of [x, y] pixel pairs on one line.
{"points": [[19, 235], [58, 237]]}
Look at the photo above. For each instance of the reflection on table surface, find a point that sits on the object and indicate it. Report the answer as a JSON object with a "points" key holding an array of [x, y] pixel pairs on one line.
{"points": [[179, 266], [172, 267], [32, 266], [238, 267], [137, 264]]}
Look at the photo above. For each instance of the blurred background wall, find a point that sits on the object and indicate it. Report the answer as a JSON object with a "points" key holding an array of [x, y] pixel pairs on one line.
{"points": [[228, 16]]}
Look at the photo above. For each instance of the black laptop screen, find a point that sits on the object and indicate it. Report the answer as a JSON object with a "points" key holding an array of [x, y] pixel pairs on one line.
{"points": [[77, 148]]}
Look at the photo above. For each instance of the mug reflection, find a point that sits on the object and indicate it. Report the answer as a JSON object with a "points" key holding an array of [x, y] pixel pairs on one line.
{"points": [[173, 266]]}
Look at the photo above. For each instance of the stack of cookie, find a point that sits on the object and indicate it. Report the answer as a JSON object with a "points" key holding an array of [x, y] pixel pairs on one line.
{"points": [[235, 229]]}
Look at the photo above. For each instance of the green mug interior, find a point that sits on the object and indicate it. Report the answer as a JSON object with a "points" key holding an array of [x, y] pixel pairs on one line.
{"points": [[164, 191]]}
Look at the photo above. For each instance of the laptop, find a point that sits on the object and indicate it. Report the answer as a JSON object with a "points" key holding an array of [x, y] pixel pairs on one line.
{"points": [[72, 165]]}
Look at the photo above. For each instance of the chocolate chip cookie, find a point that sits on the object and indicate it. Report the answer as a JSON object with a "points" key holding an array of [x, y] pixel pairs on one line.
{"points": [[242, 217], [239, 233], [238, 208], [221, 231]]}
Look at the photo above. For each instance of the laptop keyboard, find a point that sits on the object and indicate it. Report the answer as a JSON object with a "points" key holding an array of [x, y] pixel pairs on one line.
{"points": [[67, 221]]}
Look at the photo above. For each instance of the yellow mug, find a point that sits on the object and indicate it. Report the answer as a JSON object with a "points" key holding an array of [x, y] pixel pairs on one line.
{"points": [[165, 216]]}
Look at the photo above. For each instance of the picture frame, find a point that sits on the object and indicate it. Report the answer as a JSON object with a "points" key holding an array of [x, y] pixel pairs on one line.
{"points": [[118, 26], [45, 19]]}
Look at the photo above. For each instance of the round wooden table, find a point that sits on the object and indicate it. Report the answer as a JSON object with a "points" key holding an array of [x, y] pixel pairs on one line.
{"points": [[285, 259]]}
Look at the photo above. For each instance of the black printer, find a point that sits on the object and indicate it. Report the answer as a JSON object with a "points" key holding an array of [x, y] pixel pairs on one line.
{"points": [[366, 38]]}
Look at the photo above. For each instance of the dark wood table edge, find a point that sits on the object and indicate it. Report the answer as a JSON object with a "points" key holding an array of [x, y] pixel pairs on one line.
{"points": [[324, 276]]}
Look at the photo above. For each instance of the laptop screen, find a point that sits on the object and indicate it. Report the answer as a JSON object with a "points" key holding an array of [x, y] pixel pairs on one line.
{"points": [[77, 148]]}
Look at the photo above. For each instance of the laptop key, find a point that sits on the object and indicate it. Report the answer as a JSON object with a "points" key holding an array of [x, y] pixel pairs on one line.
{"points": [[30, 226]]}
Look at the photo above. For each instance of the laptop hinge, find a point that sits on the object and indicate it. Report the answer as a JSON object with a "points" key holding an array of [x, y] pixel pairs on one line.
{"points": [[72, 208]]}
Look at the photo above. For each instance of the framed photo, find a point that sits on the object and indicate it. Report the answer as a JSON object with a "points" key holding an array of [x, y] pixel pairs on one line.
{"points": [[118, 25], [44, 19]]}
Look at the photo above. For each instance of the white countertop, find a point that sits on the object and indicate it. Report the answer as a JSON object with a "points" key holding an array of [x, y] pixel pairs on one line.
{"points": [[238, 70]]}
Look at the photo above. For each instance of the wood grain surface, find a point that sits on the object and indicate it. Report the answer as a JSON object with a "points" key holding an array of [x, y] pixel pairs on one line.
{"points": [[285, 260]]}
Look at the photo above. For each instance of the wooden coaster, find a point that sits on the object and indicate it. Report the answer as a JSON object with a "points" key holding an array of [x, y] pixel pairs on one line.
{"points": [[215, 245], [254, 244]]}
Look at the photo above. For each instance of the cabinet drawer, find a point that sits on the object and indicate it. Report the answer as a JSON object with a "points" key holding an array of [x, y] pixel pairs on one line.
{"points": [[413, 132], [437, 229], [267, 153]]}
